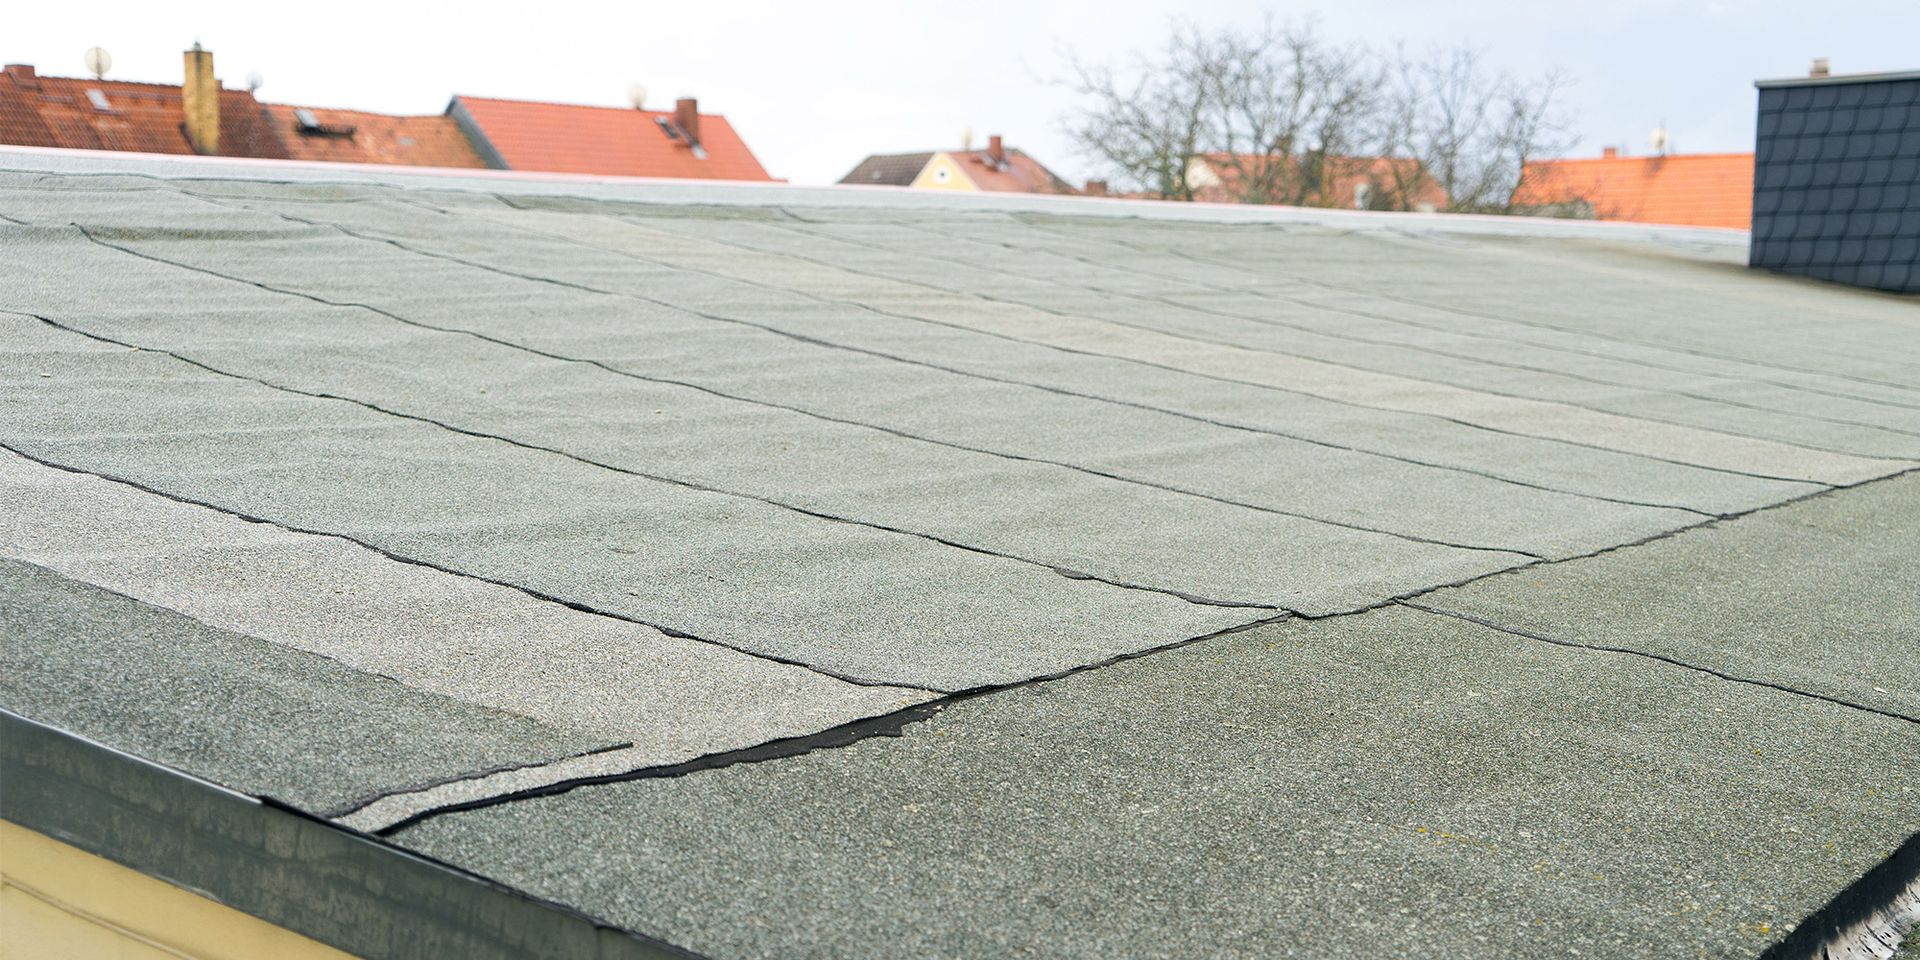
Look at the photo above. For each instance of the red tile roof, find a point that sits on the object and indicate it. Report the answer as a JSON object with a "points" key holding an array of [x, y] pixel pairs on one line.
{"points": [[1020, 174], [352, 136], [610, 141], [38, 111], [1702, 189], [1340, 190]]}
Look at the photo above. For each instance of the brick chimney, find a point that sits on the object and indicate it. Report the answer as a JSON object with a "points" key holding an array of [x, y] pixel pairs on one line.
{"points": [[1821, 68], [686, 116], [996, 153], [23, 76], [1095, 188], [1609, 152], [200, 101]]}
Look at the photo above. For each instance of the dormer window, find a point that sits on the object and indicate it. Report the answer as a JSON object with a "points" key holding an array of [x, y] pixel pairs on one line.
{"points": [[309, 125]]}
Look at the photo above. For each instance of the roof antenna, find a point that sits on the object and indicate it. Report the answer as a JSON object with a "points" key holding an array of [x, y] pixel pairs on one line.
{"points": [[98, 62]]}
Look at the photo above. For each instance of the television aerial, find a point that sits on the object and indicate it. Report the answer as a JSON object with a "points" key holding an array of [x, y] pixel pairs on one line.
{"points": [[98, 62]]}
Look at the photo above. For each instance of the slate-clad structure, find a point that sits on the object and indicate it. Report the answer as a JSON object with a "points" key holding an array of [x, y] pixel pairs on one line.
{"points": [[1836, 191]]}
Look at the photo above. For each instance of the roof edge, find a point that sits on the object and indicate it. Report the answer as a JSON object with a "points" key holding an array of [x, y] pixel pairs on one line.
{"points": [[667, 191], [269, 860], [1880, 77]]}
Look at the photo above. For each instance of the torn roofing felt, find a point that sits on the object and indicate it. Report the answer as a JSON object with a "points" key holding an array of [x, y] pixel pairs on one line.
{"points": [[737, 473]]}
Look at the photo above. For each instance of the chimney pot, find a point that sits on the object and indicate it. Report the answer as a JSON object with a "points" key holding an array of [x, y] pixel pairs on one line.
{"points": [[996, 152], [1609, 152], [1096, 188], [1821, 68], [686, 116], [200, 101], [23, 75]]}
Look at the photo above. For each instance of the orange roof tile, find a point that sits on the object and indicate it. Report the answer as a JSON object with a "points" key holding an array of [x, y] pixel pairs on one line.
{"points": [[1702, 189], [571, 138], [423, 141], [1020, 174], [38, 111], [1340, 191]]}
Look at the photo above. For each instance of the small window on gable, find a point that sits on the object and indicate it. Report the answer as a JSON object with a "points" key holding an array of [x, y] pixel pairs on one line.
{"points": [[942, 175], [99, 99]]}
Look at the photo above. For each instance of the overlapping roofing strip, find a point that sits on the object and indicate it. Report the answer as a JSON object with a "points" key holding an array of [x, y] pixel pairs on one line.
{"points": [[678, 485]]}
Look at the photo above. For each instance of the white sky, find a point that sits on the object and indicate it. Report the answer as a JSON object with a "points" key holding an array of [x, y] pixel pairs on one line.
{"points": [[814, 85]]}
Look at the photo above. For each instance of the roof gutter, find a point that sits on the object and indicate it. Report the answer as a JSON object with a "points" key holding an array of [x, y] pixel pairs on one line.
{"points": [[343, 888]]}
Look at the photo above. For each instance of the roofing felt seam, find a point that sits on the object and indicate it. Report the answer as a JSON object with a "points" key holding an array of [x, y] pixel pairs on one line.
{"points": [[864, 424], [1217, 800], [705, 488], [1522, 325], [841, 420], [1784, 409], [405, 811], [1354, 338], [1218, 342], [1468, 408], [536, 594], [1562, 642], [976, 374], [1442, 385], [972, 600], [1068, 570], [1384, 293]]}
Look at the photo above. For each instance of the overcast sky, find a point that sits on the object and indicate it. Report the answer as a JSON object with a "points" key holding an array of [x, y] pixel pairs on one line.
{"points": [[814, 86]]}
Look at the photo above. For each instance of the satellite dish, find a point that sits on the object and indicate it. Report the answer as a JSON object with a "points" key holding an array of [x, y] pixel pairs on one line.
{"points": [[98, 62], [1659, 140], [254, 80], [637, 95]]}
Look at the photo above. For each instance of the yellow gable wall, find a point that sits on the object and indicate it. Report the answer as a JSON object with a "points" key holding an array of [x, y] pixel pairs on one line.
{"points": [[943, 173], [58, 902]]}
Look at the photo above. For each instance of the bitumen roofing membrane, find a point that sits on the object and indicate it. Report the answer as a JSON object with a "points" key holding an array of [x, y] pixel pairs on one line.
{"points": [[1340, 586]]}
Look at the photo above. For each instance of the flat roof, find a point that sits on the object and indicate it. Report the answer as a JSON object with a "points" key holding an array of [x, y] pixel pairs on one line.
{"points": [[779, 571]]}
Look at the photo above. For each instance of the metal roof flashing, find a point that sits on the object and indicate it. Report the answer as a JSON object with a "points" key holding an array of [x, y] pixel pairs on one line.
{"points": [[1840, 78]]}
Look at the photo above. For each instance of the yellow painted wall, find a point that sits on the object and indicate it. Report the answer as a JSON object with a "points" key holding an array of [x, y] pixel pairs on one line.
{"points": [[943, 173], [58, 902]]}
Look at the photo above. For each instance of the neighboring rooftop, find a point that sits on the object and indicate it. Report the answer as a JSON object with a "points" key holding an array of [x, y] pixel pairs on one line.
{"points": [[609, 141], [86, 114], [356, 136], [775, 571], [996, 169], [1352, 183], [1689, 189]]}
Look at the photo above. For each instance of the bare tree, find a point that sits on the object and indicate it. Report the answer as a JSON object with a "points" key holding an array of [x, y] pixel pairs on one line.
{"points": [[1281, 115], [1147, 124], [1459, 136], [1285, 110]]}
